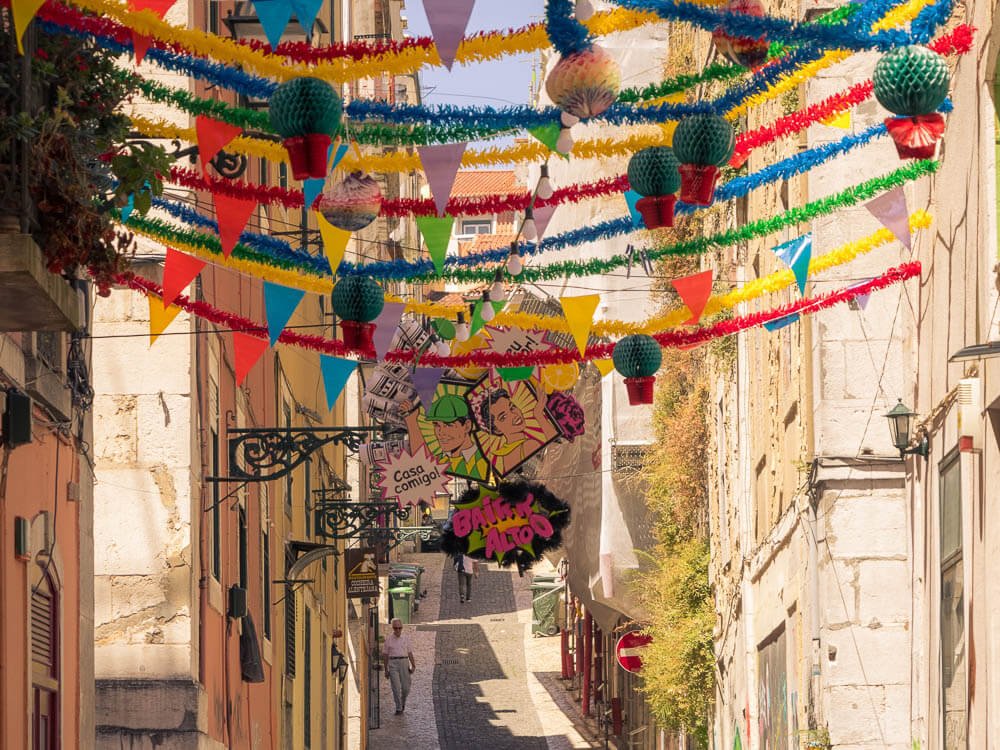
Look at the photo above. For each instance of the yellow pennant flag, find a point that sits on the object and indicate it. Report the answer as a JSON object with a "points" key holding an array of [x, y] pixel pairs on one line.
{"points": [[604, 366], [334, 241], [579, 312], [159, 317], [24, 11], [840, 120]]}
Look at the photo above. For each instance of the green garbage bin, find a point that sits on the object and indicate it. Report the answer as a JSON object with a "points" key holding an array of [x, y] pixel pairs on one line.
{"points": [[544, 605], [417, 570], [409, 579], [402, 603]]}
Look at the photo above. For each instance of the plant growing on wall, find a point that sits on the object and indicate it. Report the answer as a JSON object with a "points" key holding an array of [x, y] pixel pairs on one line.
{"points": [[61, 124]]}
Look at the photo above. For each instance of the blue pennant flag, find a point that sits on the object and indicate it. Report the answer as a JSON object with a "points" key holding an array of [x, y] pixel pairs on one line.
{"points": [[305, 11], [311, 188], [128, 208], [279, 304], [274, 16], [778, 323], [341, 150], [335, 371], [631, 198], [796, 254]]}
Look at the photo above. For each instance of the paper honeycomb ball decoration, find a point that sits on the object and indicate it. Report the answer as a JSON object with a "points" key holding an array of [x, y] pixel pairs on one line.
{"points": [[653, 171], [637, 356], [911, 80], [303, 106], [353, 203], [745, 51], [705, 140], [584, 83], [358, 298]]}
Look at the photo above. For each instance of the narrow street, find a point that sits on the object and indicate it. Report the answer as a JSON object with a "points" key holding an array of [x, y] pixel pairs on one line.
{"points": [[482, 679]]}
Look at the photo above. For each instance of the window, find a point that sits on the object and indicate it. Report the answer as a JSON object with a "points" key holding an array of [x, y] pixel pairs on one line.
{"points": [[45, 665], [953, 679], [265, 556], [216, 542], [307, 681], [282, 175], [477, 226], [289, 618]]}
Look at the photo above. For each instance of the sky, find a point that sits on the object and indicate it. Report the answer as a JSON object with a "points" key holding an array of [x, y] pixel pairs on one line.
{"points": [[499, 83]]}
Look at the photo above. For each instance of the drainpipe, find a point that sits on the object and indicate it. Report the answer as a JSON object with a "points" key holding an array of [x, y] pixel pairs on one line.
{"points": [[588, 654], [814, 707]]}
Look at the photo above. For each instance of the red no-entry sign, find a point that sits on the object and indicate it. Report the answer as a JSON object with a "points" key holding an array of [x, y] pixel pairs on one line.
{"points": [[629, 650]]}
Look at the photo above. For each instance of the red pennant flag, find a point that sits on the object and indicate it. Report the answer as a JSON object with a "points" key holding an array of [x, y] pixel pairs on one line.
{"points": [[695, 291], [178, 271], [213, 136], [232, 215], [247, 350], [140, 42], [140, 45]]}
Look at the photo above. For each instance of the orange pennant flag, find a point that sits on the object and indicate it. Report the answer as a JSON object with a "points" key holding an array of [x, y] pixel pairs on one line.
{"points": [[247, 350], [232, 215], [213, 136], [694, 292], [160, 317]]}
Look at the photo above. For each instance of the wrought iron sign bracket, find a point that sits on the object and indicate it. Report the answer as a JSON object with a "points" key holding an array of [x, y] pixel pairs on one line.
{"points": [[226, 164], [341, 519]]}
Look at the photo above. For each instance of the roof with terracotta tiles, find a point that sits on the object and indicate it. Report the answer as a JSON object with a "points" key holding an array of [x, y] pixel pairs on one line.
{"points": [[472, 183]]}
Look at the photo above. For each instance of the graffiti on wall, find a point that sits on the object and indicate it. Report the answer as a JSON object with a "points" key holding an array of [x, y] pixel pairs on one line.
{"points": [[772, 693]]}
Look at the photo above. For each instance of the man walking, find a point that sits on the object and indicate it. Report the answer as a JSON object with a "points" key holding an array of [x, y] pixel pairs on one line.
{"points": [[395, 653], [467, 567]]}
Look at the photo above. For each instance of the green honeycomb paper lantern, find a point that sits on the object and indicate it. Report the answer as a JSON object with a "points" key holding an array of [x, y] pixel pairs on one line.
{"points": [[702, 144], [358, 300], [653, 174], [911, 80], [638, 357], [306, 113]]}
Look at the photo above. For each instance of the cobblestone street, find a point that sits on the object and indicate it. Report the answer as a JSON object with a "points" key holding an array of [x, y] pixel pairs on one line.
{"points": [[482, 679]]}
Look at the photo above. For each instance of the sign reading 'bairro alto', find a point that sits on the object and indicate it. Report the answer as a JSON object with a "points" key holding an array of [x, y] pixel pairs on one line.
{"points": [[412, 477]]}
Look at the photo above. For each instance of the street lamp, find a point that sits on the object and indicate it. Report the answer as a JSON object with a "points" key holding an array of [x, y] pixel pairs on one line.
{"points": [[900, 418], [338, 664]]}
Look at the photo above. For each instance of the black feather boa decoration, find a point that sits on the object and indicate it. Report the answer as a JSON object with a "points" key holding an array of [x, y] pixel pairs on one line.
{"points": [[538, 516]]}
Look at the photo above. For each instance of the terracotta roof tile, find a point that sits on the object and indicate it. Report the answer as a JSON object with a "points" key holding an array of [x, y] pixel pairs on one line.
{"points": [[471, 183]]}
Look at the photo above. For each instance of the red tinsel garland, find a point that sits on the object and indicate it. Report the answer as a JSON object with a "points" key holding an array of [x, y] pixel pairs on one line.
{"points": [[490, 204], [676, 338]]}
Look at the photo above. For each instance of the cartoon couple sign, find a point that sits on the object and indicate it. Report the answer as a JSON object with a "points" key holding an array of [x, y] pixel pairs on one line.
{"points": [[485, 431]]}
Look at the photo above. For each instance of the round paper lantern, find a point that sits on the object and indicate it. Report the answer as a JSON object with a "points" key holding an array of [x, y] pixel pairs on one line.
{"points": [[638, 357], [745, 51], [358, 300], [912, 82], [584, 83], [702, 144], [353, 203], [653, 174], [306, 113]]}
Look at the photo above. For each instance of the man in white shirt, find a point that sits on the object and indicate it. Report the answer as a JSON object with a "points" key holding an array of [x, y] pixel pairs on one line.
{"points": [[396, 652]]}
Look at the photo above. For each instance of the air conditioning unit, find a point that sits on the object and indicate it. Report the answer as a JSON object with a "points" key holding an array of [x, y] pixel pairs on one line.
{"points": [[970, 410]]}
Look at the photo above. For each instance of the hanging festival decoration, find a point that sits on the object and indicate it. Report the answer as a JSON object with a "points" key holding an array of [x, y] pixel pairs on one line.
{"points": [[584, 83], [353, 203], [912, 82], [358, 300], [653, 174], [749, 52], [637, 358], [516, 523], [412, 477], [702, 144], [306, 113]]}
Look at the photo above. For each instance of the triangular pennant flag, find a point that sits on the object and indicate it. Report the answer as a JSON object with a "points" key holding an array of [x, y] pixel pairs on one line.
{"points": [[448, 20], [840, 120], [779, 323], [247, 350], [579, 312], [631, 198], [140, 45], [24, 11], [477, 315], [543, 214], [311, 188], [179, 269], [441, 164], [159, 7], [860, 301], [425, 381], [890, 209], [213, 136], [335, 371], [513, 374], [274, 16], [337, 155], [232, 215], [604, 366], [548, 134], [159, 317], [385, 327], [128, 208], [334, 242], [694, 292], [796, 255], [279, 304], [436, 231], [737, 742], [305, 12]]}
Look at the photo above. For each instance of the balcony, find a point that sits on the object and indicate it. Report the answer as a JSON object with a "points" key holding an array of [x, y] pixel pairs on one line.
{"points": [[32, 298]]}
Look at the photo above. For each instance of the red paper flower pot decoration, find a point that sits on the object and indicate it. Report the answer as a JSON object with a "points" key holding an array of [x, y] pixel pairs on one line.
{"points": [[698, 183], [916, 137], [640, 390], [657, 210], [308, 155], [358, 335]]}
